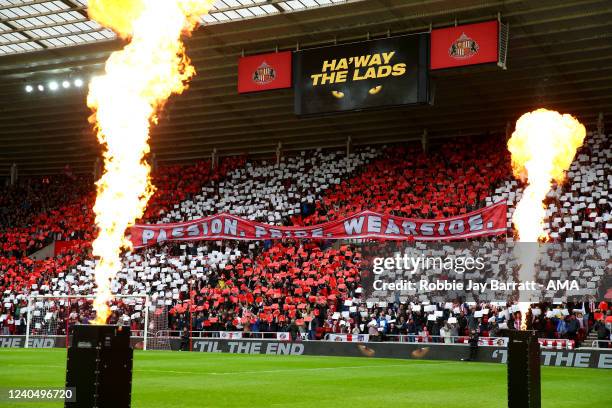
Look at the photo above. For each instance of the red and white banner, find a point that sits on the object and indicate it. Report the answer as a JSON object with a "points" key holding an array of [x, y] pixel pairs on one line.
{"points": [[354, 338], [557, 344], [463, 45], [487, 221], [225, 335], [286, 336], [264, 72], [283, 336], [490, 341]]}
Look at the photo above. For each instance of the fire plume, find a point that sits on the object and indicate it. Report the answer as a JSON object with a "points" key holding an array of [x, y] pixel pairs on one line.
{"points": [[543, 147], [125, 102]]}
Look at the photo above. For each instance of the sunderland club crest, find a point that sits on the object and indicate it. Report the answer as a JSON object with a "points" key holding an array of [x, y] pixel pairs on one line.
{"points": [[264, 74], [464, 47]]}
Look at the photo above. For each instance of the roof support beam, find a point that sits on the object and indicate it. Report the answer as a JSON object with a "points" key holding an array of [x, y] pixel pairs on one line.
{"points": [[26, 35], [45, 13]]}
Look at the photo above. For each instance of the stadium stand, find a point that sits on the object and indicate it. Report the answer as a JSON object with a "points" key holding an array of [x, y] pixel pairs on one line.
{"points": [[408, 182], [272, 192], [179, 182], [67, 217], [309, 287], [38, 211]]}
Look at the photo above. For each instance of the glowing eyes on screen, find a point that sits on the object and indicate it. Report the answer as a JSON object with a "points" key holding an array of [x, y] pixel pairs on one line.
{"points": [[372, 91], [375, 90]]}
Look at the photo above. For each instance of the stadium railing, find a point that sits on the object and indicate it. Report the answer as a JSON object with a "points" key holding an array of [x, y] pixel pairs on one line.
{"points": [[415, 338], [602, 344], [560, 344], [223, 334]]}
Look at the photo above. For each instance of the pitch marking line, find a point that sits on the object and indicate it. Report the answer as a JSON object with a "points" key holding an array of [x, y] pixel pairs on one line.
{"points": [[250, 372], [284, 370]]}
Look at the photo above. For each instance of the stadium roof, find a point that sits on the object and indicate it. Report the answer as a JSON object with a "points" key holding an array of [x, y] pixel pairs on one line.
{"points": [[560, 57], [31, 25]]}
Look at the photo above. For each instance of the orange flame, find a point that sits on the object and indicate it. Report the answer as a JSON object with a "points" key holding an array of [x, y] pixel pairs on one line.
{"points": [[543, 147], [125, 100]]}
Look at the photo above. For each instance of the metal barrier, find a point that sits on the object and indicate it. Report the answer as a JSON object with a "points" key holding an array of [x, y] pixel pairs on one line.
{"points": [[217, 334], [418, 338], [406, 338], [559, 344], [603, 344]]}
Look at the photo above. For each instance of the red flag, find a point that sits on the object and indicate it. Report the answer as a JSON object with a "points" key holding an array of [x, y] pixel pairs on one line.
{"points": [[264, 72], [463, 45]]}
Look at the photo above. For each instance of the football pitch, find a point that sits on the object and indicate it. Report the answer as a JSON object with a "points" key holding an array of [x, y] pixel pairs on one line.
{"points": [[185, 380]]}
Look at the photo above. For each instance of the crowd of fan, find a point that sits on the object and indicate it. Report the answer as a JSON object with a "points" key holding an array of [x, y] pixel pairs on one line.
{"points": [[38, 211], [407, 182], [79, 279], [304, 286], [273, 192], [176, 183], [67, 215]]}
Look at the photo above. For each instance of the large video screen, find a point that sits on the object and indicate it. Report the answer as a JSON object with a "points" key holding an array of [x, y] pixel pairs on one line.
{"points": [[362, 75]]}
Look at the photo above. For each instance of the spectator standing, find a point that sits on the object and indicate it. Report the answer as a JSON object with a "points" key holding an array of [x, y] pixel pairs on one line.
{"points": [[603, 333], [473, 342]]}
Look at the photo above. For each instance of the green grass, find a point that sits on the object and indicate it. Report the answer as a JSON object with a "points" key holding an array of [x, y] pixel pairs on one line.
{"points": [[185, 380]]}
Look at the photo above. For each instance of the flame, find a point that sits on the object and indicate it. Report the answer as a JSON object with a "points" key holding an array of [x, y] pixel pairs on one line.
{"points": [[125, 100], [543, 147]]}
